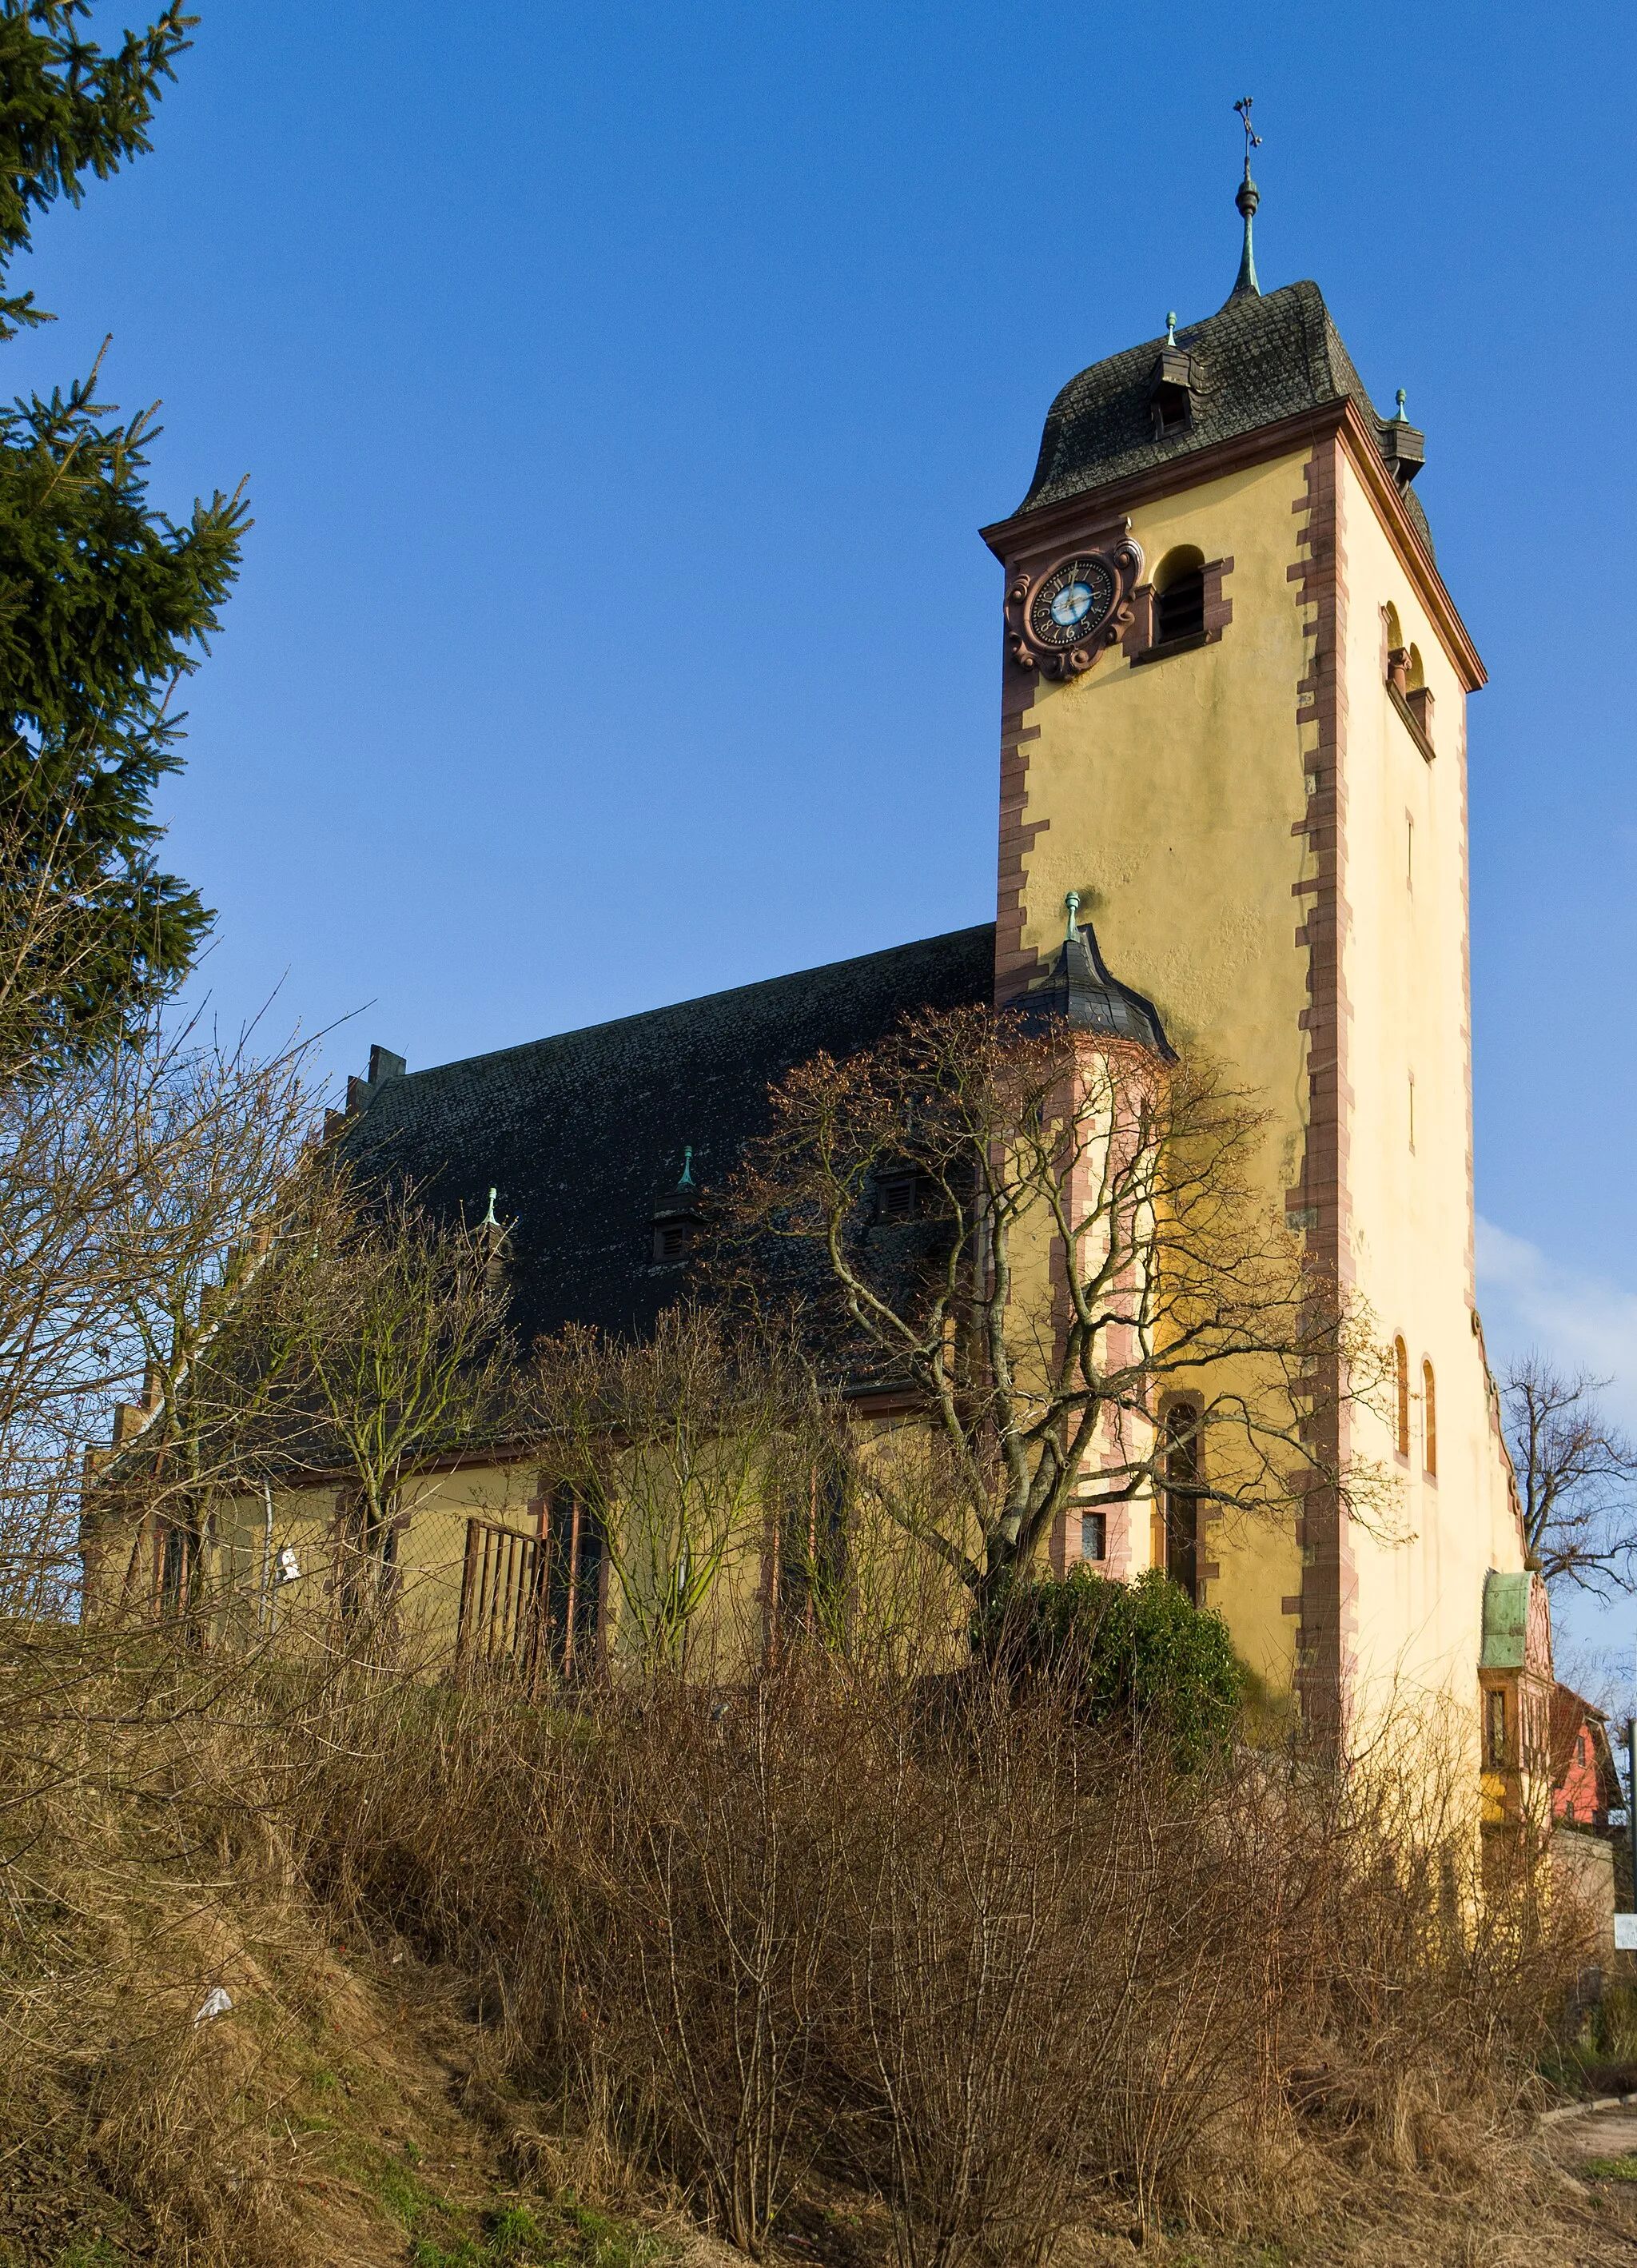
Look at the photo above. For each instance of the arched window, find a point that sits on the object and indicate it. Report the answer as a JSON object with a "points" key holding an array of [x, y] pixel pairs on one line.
{"points": [[1397, 653], [1182, 1502], [1429, 1419], [1401, 1368], [573, 1597], [1179, 595]]}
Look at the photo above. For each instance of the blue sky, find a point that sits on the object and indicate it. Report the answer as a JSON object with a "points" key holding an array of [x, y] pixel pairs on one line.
{"points": [[620, 390]]}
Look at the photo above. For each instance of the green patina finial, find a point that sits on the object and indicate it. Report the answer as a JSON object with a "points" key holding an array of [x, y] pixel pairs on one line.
{"points": [[1171, 328], [488, 1219], [1404, 414], [685, 1181], [1073, 903], [1247, 197]]}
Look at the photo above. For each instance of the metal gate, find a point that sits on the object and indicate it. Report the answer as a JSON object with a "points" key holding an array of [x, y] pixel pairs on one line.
{"points": [[502, 1588]]}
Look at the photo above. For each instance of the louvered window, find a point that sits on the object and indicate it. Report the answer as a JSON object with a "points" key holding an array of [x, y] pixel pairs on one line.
{"points": [[898, 1197], [1179, 609]]}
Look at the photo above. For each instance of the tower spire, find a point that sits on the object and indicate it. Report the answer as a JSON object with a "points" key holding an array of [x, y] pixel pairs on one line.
{"points": [[1247, 198]]}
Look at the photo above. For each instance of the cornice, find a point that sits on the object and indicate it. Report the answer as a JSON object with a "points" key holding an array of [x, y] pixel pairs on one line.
{"points": [[1038, 529]]}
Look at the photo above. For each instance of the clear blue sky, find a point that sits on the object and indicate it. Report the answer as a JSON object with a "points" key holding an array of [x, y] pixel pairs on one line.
{"points": [[620, 390]]}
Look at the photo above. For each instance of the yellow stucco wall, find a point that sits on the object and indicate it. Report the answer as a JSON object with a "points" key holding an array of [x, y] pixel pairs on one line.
{"points": [[1172, 794], [1405, 971], [1170, 791]]}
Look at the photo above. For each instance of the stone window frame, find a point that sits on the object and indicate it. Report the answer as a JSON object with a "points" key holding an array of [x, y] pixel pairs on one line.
{"points": [[1139, 645]]}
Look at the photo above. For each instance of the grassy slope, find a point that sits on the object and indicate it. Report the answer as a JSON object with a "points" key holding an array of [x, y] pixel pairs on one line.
{"points": [[374, 2139]]}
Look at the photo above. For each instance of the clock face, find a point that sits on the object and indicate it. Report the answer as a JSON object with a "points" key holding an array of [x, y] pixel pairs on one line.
{"points": [[1071, 604]]}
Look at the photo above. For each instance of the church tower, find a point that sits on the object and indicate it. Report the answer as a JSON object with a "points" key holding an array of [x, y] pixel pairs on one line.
{"points": [[1233, 723]]}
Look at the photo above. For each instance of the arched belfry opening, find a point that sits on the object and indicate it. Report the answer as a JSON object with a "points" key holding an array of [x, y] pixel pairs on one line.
{"points": [[1179, 595]]}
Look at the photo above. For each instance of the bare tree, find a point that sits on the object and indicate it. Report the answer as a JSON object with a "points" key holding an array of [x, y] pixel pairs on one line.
{"points": [[371, 1344], [131, 1187], [674, 1446], [1057, 1245], [1577, 1474]]}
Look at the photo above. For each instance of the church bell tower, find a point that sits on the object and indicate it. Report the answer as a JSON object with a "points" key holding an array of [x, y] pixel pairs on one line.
{"points": [[1234, 725]]}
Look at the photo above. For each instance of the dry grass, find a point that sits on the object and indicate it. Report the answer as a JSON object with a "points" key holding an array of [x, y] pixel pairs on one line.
{"points": [[839, 1974]]}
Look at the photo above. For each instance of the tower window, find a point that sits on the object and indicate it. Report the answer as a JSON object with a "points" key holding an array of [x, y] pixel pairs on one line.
{"points": [[1182, 1500], [1401, 1380], [1094, 1536], [1429, 1420], [1179, 595], [674, 1238]]}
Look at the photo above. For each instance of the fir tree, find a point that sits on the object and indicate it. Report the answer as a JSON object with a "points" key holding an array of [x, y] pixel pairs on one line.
{"points": [[106, 604]]}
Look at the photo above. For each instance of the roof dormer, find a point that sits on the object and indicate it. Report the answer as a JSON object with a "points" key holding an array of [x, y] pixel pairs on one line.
{"points": [[1171, 384], [1403, 445]]}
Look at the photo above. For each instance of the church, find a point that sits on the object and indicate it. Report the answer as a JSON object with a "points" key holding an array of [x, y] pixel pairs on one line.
{"points": [[1232, 774]]}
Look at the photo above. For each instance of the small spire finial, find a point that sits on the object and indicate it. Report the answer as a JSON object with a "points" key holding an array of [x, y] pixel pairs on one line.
{"points": [[1247, 198], [1171, 328], [488, 1219], [1404, 414], [685, 1180], [1073, 903]]}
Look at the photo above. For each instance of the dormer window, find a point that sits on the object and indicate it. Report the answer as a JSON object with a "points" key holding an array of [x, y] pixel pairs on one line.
{"points": [[1171, 389], [673, 1238], [898, 1197], [1403, 445], [1179, 596]]}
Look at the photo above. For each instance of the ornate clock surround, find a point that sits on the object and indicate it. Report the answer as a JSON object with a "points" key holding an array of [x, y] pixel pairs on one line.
{"points": [[1110, 551]]}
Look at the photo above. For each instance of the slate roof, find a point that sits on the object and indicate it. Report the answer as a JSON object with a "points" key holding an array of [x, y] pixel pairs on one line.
{"points": [[583, 1135], [1079, 988], [1263, 357]]}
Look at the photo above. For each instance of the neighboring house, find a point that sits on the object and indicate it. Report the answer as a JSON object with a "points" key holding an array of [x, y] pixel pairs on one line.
{"points": [[1232, 728], [1585, 1780], [1585, 1789]]}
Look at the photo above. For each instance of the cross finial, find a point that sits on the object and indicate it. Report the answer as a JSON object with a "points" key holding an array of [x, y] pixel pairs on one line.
{"points": [[1253, 140], [1247, 197], [1171, 328]]}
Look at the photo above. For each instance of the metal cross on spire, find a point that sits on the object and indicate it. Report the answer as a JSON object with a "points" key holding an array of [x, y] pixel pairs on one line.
{"points": [[1248, 198], [1253, 140]]}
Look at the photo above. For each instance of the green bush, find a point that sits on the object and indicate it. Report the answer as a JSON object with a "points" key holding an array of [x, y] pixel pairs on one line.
{"points": [[1137, 1654]]}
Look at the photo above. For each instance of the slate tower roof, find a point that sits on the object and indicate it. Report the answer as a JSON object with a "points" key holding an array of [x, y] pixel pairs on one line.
{"points": [[1260, 358]]}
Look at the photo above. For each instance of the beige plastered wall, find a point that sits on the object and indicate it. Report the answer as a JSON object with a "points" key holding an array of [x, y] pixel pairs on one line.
{"points": [[430, 1550], [1169, 792], [1173, 795], [724, 1633], [1405, 966]]}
